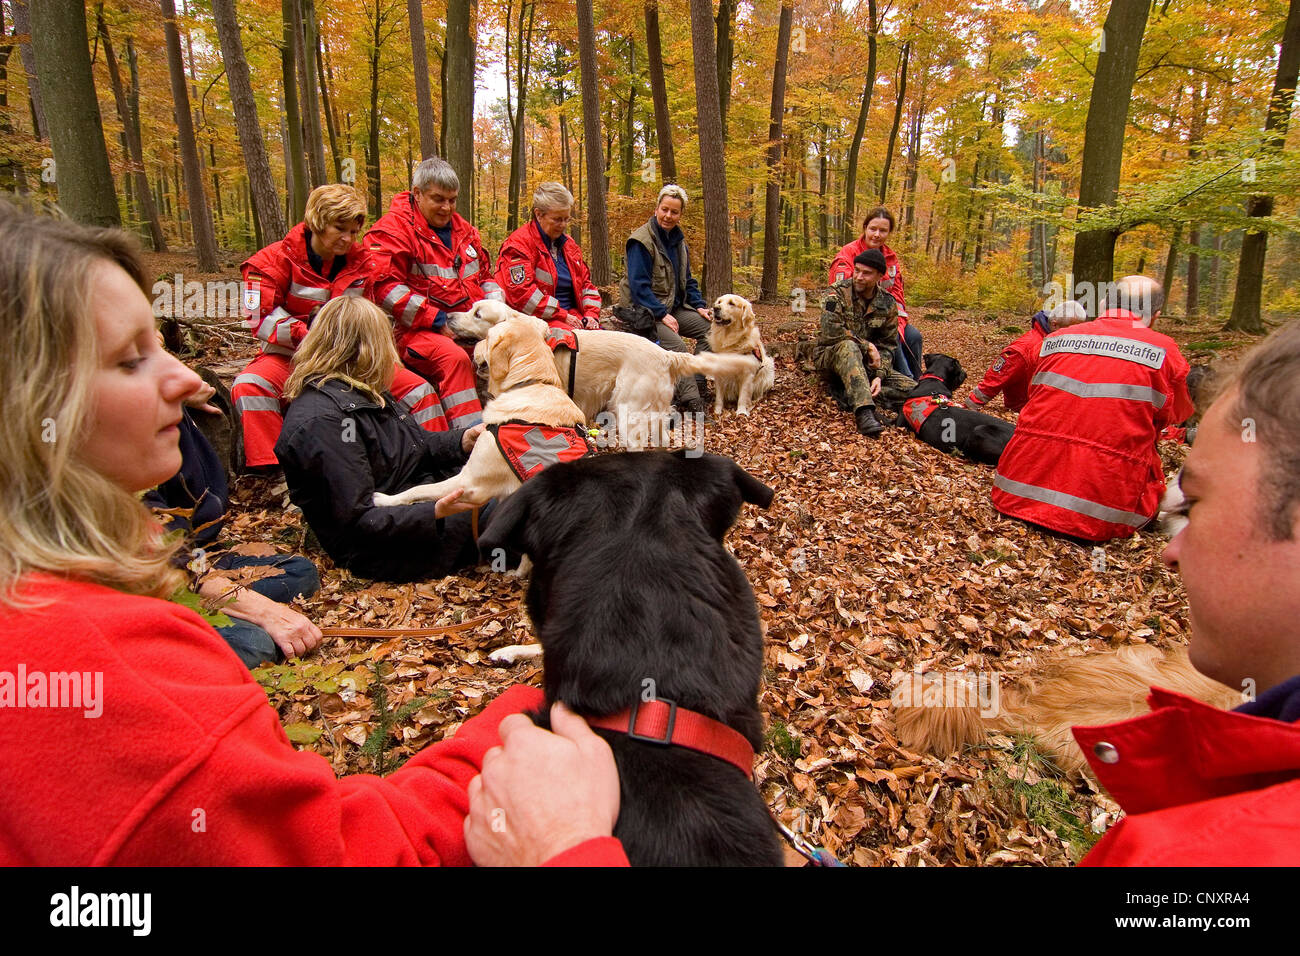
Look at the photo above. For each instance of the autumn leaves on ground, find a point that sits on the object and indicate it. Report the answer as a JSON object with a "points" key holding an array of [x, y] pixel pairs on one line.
{"points": [[875, 557]]}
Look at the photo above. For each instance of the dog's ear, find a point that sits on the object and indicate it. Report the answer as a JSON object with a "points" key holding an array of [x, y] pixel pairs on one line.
{"points": [[928, 358], [717, 486], [958, 375], [508, 527], [751, 489]]}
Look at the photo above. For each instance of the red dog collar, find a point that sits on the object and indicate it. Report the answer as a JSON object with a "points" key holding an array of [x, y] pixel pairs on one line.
{"points": [[937, 378], [661, 721]]}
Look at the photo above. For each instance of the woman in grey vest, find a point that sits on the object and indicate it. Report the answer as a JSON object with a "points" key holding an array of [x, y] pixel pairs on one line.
{"points": [[659, 278]]}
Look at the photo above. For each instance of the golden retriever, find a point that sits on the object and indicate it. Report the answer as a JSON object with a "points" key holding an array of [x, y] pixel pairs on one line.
{"points": [[733, 331], [1067, 692], [525, 387], [618, 371]]}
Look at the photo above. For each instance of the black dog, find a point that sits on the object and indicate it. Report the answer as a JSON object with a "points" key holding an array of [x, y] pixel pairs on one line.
{"points": [[638, 320], [637, 603], [947, 426]]}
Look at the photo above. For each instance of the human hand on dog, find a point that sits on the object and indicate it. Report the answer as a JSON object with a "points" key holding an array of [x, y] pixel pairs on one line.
{"points": [[705, 314], [468, 439], [669, 321], [451, 504], [541, 792]]}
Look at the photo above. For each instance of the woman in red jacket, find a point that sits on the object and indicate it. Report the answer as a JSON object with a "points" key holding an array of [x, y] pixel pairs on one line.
{"points": [[877, 227], [132, 734]]}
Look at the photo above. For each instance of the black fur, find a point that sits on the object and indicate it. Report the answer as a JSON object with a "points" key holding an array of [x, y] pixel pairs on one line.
{"points": [[631, 583], [977, 436], [638, 320]]}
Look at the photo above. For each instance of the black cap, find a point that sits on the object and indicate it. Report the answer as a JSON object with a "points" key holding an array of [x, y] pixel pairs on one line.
{"points": [[871, 257]]}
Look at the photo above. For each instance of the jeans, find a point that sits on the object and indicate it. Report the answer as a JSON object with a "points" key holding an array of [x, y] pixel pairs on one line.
{"points": [[297, 577], [909, 356]]}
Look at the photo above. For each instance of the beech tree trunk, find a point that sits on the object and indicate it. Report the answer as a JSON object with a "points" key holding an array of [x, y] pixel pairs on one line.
{"points": [[713, 166], [423, 97], [265, 203], [294, 156], [523, 58], [850, 226], [458, 99], [308, 34], [598, 248], [83, 175], [898, 116], [659, 92], [328, 109], [1103, 143], [23, 27], [1254, 245], [772, 206], [726, 57]]}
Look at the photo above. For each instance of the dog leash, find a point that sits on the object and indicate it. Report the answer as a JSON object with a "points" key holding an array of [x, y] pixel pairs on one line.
{"points": [[352, 632], [816, 855]]}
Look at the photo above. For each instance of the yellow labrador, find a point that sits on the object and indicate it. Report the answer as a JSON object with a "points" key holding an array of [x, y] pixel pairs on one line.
{"points": [[733, 331]]}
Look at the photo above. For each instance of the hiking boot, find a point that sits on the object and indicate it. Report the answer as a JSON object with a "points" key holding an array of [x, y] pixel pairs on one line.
{"points": [[867, 422]]}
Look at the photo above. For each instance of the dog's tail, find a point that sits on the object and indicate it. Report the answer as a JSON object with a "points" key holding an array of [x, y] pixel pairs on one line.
{"points": [[715, 365], [1088, 691]]}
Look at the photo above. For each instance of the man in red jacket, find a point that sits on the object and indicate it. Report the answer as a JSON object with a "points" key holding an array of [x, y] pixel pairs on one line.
{"points": [[1202, 786], [541, 270], [429, 261], [284, 286], [1083, 459], [1011, 373]]}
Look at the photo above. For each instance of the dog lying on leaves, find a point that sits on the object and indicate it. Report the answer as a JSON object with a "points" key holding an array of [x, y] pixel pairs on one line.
{"points": [[946, 425], [643, 613]]}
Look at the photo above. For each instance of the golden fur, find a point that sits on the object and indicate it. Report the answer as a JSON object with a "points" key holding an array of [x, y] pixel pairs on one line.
{"points": [[733, 331], [523, 380], [1076, 691]]}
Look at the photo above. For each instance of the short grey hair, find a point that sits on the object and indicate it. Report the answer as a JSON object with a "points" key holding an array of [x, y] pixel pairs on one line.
{"points": [[435, 172], [673, 191], [550, 197], [1067, 313]]}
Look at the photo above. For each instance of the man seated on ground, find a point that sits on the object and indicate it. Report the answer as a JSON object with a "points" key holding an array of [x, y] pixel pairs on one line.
{"points": [[859, 332], [429, 261], [1205, 787], [1011, 373], [284, 286], [1083, 460]]}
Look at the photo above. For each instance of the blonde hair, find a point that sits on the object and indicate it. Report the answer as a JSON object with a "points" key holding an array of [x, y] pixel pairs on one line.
{"points": [[351, 339], [672, 191], [332, 204], [57, 513]]}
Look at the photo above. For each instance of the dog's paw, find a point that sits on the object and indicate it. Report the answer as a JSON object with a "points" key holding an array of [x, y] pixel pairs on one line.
{"points": [[743, 411], [385, 501], [515, 653]]}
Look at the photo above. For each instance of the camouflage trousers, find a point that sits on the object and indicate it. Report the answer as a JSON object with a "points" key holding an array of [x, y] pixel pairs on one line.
{"points": [[846, 363]]}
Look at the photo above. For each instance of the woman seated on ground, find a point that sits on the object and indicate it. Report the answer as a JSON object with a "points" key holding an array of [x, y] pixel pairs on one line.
{"points": [[877, 227], [193, 502], [166, 733], [541, 270], [285, 285], [345, 438], [659, 278]]}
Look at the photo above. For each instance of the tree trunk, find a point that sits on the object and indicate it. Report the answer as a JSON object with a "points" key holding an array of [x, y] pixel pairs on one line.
{"points": [[423, 97], [1103, 143], [776, 116], [1199, 117], [1254, 245], [850, 224], [131, 133], [523, 58], [627, 150], [251, 143], [23, 27], [84, 177], [458, 98], [295, 159], [1171, 262], [726, 57], [898, 116], [309, 33], [598, 249], [823, 175], [373, 180], [659, 92]]}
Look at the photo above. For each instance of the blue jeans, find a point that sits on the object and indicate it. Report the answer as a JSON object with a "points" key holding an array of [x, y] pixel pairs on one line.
{"points": [[297, 577], [908, 357]]}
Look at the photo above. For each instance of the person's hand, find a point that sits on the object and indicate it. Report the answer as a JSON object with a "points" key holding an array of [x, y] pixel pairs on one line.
{"points": [[451, 504], [294, 634], [669, 321], [705, 314], [591, 323], [200, 399], [541, 793], [874, 353], [468, 439], [875, 387]]}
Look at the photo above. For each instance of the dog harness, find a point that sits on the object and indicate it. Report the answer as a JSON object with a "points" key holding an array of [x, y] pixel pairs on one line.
{"points": [[917, 410], [661, 721], [564, 338], [529, 447]]}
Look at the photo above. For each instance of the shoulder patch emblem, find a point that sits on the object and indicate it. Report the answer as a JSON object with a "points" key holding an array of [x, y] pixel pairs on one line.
{"points": [[517, 274], [470, 253], [997, 366], [252, 294]]}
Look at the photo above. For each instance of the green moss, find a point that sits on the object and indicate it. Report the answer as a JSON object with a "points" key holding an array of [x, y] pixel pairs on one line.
{"points": [[780, 741]]}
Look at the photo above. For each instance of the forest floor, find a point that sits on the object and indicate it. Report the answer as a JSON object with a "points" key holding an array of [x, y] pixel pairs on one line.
{"points": [[875, 558]]}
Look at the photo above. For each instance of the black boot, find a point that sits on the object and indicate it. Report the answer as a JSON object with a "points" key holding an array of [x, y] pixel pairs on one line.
{"points": [[867, 422]]}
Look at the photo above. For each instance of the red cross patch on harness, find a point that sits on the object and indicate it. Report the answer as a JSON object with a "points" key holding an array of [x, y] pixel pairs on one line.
{"points": [[917, 410], [557, 337], [530, 448]]}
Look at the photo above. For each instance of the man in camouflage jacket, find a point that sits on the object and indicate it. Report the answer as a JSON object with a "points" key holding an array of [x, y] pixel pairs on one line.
{"points": [[859, 333]]}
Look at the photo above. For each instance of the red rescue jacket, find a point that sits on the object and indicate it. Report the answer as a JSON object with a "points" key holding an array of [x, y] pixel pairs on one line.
{"points": [[1083, 458], [1201, 786], [282, 291], [842, 268], [1010, 374], [416, 276], [526, 275]]}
